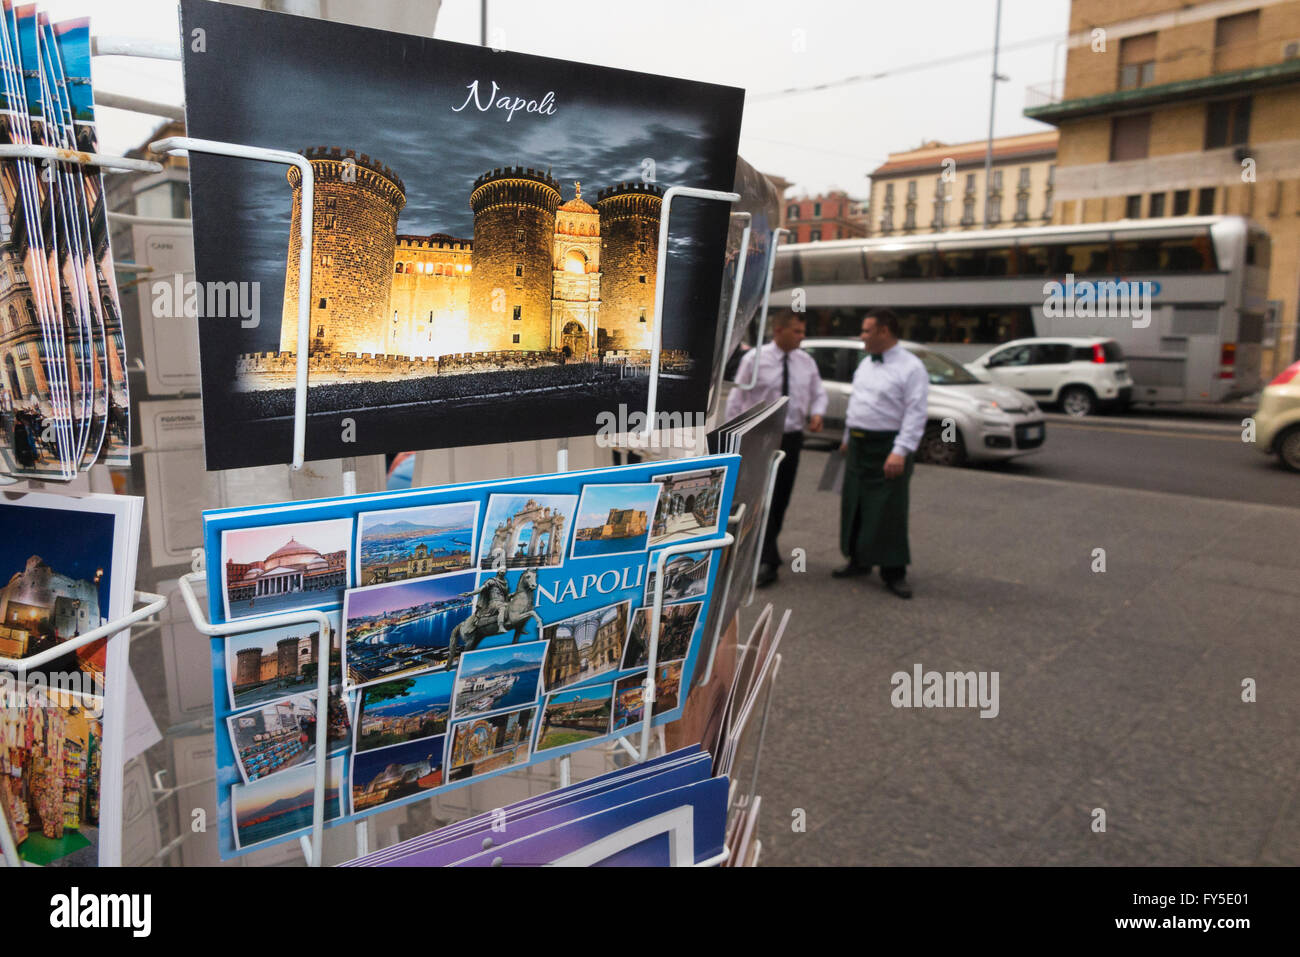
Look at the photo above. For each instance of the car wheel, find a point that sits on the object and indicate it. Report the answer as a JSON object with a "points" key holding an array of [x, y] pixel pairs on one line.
{"points": [[1078, 401], [935, 451], [1288, 448]]}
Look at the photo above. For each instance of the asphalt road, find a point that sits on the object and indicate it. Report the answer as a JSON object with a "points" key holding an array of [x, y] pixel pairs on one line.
{"points": [[1120, 691]]}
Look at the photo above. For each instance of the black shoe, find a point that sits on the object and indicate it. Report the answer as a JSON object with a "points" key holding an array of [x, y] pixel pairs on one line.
{"points": [[851, 570], [766, 576], [899, 587]]}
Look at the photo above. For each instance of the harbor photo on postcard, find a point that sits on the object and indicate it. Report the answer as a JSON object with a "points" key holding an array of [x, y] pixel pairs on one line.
{"points": [[402, 627], [495, 678], [282, 804], [614, 519]]}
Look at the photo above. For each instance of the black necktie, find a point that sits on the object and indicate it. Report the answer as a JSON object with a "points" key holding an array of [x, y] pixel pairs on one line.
{"points": [[877, 356], [785, 374]]}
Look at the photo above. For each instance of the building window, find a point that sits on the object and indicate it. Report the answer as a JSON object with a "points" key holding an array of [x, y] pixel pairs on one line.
{"points": [[970, 184], [887, 221], [1235, 41], [1205, 201], [938, 187], [1137, 61], [993, 210], [519, 236], [331, 203], [641, 247], [399, 269], [997, 180], [792, 212], [1227, 123], [1022, 207], [642, 317], [817, 210], [1023, 182], [519, 270], [322, 304], [518, 312], [814, 235], [1156, 206], [1182, 201], [968, 212], [327, 260], [911, 189], [641, 279], [937, 222], [1133, 207], [889, 192], [515, 338], [320, 332], [1129, 136], [329, 220]]}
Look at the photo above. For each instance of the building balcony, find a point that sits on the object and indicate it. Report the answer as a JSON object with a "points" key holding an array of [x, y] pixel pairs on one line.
{"points": [[1279, 159], [1047, 102]]}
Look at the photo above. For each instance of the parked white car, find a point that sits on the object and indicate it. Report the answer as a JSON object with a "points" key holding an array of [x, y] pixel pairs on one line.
{"points": [[991, 421], [1081, 374]]}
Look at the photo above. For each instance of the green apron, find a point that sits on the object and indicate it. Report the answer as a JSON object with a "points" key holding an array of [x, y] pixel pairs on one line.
{"points": [[873, 511]]}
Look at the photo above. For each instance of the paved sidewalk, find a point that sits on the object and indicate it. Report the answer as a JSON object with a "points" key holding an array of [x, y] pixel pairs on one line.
{"points": [[1119, 691]]}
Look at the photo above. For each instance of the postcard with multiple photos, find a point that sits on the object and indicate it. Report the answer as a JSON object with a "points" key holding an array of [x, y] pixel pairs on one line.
{"points": [[63, 389], [68, 567], [666, 811], [473, 629], [505, 292]]}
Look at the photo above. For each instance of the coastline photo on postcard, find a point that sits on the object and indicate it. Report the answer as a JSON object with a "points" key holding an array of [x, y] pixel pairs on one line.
{"points": [[422, 542], [402, 627], [494, 679], [614, 519], [281, 805], [403, 709]]}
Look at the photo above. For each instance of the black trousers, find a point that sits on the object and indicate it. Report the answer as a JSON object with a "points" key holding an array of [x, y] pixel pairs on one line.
{"points": [[792, 445]]}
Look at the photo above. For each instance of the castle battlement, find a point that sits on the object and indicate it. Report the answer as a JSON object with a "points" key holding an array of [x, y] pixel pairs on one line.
{"points": [[434, 241], [334, 166], [619, 189], [518, 172]]}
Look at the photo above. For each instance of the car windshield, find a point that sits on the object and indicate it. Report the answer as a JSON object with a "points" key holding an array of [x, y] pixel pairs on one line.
{"points": [[942, 370]]}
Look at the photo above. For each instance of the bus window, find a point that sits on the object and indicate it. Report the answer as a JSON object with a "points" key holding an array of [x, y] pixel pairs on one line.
{"points": [[783, 273], [1258, 251], [900, 264], [1079, 258], [831, 266], [1137, 255], [1033, 261], [1170, 254]]}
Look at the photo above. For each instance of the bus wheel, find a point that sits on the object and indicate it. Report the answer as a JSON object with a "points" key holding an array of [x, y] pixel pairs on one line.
{"points": [[1288, 448], [935, 451], [1078, 400]]}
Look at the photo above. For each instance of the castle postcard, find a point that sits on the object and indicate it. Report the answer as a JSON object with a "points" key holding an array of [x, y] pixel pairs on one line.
{"points": [[484, 243]]}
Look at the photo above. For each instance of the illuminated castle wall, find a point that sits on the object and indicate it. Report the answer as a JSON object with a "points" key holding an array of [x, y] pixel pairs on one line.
{"points": [[356, 202], [629, 248], [539, 275]]}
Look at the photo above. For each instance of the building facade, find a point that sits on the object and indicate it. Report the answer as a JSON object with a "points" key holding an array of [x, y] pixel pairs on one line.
{"points": [[940, 187], [1174, 109], [832, 215]]}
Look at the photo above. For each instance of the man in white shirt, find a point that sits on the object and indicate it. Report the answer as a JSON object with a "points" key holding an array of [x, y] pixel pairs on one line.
{"points": [[783, 369], [883, 427]]}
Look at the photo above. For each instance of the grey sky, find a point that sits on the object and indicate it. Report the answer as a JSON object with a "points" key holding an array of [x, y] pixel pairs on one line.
{"points": [[819, 140]]}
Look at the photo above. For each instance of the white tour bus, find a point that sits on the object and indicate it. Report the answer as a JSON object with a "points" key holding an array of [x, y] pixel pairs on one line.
{"points": [[1193, 334]]}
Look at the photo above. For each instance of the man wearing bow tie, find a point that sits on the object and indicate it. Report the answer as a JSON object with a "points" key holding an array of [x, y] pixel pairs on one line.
{"points": [[883, 427]]}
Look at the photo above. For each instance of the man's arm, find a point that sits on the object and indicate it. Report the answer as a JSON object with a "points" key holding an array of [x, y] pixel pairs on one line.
{"points": [[916, 391]]}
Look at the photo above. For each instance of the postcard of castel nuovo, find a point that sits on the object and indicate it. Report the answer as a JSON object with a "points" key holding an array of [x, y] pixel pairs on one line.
{"points": [[485, 235]]}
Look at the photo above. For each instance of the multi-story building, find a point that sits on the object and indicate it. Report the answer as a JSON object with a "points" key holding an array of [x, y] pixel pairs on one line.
{"points": [[833, 215], [1171, 108], [939, 187]]}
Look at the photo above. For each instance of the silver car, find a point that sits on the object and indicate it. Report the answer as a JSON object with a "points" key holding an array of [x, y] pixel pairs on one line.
{"points": [[988, 421]]}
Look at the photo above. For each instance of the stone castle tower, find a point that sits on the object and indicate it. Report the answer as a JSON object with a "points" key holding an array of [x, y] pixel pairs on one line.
{"points": [[575, 284], [629, 254], [356, 204], [248, 666], [510, 285], [429, 308]]}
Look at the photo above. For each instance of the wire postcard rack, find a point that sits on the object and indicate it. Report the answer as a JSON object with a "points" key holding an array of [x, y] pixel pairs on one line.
{"points": [[312, 845]]}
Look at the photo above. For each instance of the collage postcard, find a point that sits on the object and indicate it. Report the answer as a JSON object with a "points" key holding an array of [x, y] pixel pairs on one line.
{"points": [[484, 237], [67, 564], [474, 629], [63, 386]]}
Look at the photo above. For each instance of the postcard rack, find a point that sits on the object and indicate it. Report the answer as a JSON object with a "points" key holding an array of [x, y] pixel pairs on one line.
{"points": [[152, 604], [767, 298], [132, 47]]}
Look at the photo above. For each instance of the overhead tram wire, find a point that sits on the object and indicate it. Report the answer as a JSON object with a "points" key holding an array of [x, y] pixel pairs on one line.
{"points": [[900, 70]]}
